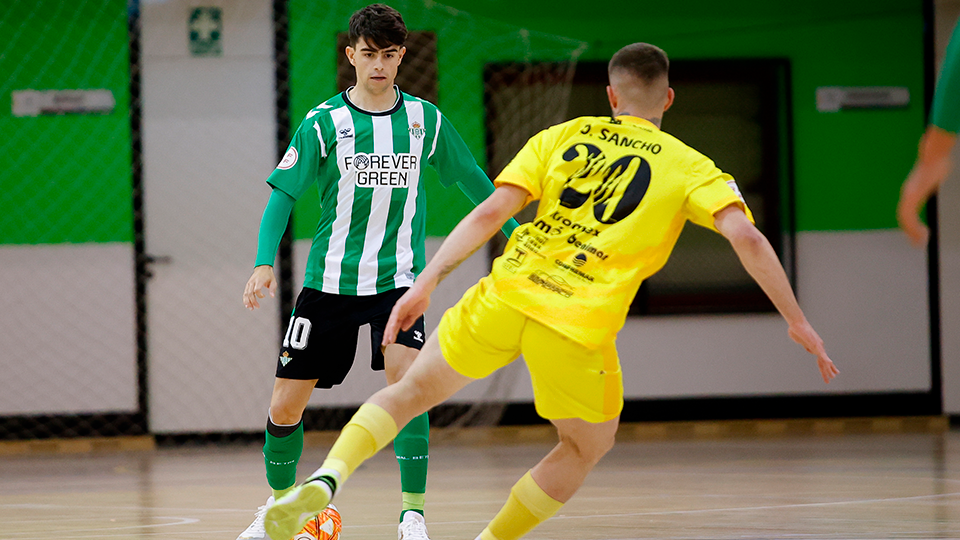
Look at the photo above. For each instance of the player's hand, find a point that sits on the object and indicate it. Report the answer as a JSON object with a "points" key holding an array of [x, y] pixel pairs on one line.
{"points": [[807, 337], [262, 277], [931, 169], [405, 312], [916, 190]]}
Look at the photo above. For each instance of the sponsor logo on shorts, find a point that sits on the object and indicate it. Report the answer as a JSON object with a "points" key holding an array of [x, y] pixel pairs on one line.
{"points": [[551, 283], [418, 336]]}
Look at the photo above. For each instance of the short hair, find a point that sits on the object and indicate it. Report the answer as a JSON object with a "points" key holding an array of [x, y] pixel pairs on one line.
{"points": [[646, 62], [379, 25]]}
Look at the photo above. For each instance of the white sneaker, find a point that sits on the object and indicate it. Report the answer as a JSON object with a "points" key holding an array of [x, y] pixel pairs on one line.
{"points": [[413, 527], [256, 531]]}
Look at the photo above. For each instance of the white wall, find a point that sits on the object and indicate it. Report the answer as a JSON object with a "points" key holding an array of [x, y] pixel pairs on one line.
{"points": [[949, 222], [947, 13], [863, 292], [68, 341], [209, 141]]}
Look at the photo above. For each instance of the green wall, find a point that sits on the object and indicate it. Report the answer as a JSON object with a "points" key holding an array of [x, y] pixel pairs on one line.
{"points": [[65, 178], [848, 165]]}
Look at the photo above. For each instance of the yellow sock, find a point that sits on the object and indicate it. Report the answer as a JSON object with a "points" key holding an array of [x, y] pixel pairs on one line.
{"points": [[370, 429], [527, 507]]}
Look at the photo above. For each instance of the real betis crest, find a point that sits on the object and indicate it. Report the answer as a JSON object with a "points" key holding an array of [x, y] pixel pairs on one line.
{"points": [[417, 130]]}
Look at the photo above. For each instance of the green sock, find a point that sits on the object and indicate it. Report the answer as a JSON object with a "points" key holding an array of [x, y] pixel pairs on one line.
{"points": [[412, 446], [281, 452]]}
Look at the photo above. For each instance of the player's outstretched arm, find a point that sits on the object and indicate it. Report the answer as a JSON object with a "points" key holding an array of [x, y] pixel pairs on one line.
{"points": [[467, 237], [762, 264], [931, 169]]}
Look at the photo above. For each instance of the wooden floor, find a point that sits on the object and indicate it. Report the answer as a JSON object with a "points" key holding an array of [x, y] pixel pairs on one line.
{"points": [[806, 486]]}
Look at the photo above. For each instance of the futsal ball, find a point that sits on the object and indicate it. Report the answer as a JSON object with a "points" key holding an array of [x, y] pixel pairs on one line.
{"points": [[325, 526]]}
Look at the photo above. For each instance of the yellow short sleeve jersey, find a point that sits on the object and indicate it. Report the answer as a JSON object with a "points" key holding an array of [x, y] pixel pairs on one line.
{"points": [[614, 196]]}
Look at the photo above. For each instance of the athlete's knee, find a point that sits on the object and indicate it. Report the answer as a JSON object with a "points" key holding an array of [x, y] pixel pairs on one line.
{"points": [[413, 394], [394, 372], [397, 360], [285, 413], [606, 444], [588, 449]]}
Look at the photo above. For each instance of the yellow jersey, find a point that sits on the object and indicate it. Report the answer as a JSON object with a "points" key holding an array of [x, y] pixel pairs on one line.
{"points": [[614, 196]]}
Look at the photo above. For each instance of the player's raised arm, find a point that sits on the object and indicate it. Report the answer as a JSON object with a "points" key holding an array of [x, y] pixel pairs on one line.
{"points": [[761, 262], [467, 237]]}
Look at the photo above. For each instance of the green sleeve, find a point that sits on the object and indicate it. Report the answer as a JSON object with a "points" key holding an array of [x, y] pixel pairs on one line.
{"points": [[946, 100], [297, 171], [455, 164], [452, 159], [274, 222], [477, 187]]}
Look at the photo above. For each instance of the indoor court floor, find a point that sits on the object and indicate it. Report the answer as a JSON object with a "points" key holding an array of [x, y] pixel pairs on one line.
{"points": [[787, 486]]}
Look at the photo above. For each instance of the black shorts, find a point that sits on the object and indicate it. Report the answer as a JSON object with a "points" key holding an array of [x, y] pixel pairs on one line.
{"points": [[321, 338]]}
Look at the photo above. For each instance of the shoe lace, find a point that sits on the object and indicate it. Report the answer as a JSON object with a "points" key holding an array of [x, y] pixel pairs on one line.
{"points": [[257, 525], [413, 529]]}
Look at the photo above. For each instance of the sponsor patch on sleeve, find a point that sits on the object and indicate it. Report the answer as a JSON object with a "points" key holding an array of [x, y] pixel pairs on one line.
{"points": [[733, 185], [289, 159]]}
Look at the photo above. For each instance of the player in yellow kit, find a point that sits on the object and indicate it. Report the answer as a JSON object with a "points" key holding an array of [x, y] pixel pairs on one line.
{"points": [[614, 194]]}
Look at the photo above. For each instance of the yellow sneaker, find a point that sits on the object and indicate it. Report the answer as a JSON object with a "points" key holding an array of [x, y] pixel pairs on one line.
{"points": [[291, 512]]}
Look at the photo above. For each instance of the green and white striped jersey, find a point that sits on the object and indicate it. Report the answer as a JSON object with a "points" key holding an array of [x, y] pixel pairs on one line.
{"points": [[368, 167]]}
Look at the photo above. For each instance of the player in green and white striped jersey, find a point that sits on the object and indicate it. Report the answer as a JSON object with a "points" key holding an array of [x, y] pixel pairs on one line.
{"points": [[366, 149], [369, 167]]}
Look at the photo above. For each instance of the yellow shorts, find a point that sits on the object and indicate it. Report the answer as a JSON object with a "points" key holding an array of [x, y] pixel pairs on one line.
{"points": [[482, 334]]}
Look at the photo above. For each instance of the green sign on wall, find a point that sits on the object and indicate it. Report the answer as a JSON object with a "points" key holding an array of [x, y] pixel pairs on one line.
{"points": [[205, 28]]}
